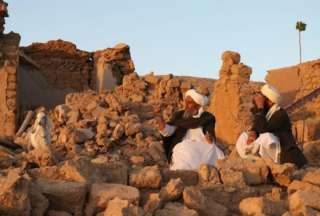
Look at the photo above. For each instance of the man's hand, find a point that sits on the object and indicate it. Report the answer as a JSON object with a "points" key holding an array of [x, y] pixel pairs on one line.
{"points": [[252, 136], [209, 138], [259, 101], [157, 109], [161, 124]]}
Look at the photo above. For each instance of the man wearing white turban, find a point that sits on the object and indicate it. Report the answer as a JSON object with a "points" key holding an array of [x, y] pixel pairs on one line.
{"points": [[271, 134], [189, 138]]}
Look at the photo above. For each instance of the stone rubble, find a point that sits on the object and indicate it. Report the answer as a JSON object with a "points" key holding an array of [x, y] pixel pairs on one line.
{"points": [[109, 158], [110, 161]]}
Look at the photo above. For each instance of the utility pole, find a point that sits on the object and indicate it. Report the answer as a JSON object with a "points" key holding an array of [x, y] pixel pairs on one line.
{"points": [[300, 26]]}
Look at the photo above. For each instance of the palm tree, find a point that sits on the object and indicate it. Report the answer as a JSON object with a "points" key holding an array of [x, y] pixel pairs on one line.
{"points": [[300, 26]]}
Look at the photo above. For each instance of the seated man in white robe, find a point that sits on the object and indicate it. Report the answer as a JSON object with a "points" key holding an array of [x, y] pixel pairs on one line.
{"points": [[271, 134], [189, 138]]}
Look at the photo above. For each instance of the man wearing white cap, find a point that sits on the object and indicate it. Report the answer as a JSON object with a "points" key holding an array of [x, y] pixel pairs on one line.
{"points": [[189, 137], [271, 134]]}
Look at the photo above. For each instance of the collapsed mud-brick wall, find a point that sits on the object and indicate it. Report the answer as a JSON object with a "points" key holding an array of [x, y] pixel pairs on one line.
{"points": [[110, 66], [47, 72], [61, 63], [9, 60], [300, 88], [297, 81], [52, 70]]}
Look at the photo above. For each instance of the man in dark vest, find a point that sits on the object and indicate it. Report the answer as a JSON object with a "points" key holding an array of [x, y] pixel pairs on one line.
{"points": [[188, 137], [271, 134]]}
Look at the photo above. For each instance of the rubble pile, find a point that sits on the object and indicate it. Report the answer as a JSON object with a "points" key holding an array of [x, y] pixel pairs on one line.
{"points": [[98, 186], [109, 160], [100, 153]]}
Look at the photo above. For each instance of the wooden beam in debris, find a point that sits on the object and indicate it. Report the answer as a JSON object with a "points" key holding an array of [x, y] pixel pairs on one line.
{"points": [[301, 102], [28, 59], [25, 123]]}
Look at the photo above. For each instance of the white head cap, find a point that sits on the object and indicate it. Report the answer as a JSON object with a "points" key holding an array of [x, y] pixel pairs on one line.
{"points": [[271, 93], [197, 97]]}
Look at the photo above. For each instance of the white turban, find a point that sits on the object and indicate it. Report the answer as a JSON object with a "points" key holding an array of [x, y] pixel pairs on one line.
{"points": [[197, 97], [271, 93]]}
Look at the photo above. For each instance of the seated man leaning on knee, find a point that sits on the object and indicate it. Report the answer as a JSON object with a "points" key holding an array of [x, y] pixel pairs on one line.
{"points": [[189, 138], [271, 134]]}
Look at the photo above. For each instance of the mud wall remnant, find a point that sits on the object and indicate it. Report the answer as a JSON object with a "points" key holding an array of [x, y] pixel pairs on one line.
{"points": [[309, 74], [9, 60], [61, 63], [51, 70], [110, 66], [231, 101], [34, 89], [287, 81], [297, 81], [300, 88]]}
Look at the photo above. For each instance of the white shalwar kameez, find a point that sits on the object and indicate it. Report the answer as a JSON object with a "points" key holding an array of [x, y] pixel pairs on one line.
{"points": [[193, 150]]}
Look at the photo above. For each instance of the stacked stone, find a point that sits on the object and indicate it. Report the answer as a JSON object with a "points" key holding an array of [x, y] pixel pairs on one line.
{"points": [[232, 69], [232, 98], [9, 81], [96, 186], [92, 124], [165, 92], [3, 14]]}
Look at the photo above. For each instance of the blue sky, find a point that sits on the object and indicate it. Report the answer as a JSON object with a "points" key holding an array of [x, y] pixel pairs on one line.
{"points": [[183, 37]]}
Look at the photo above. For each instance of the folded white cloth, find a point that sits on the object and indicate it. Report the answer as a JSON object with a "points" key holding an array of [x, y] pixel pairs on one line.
{"points": [[266, 145], [193, 151]]}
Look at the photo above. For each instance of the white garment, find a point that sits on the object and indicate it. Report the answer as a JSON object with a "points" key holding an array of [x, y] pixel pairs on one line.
{"points": [[193, 151], [266, 145], [272, 110], [168, 130], [200, 111], [40, 134]]}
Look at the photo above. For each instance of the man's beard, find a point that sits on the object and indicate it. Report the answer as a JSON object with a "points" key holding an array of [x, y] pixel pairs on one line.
{"points": [[187, 114], [265, 107]]}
